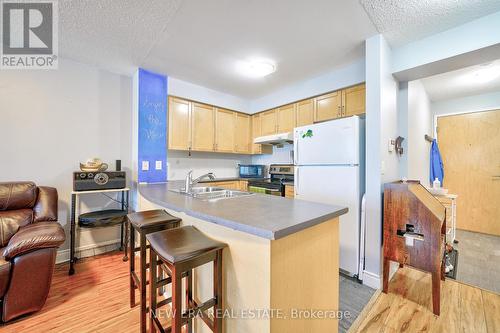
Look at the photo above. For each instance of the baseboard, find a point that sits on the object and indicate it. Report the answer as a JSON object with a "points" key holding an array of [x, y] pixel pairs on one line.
{"points": [[88, 250], [372, 280]]}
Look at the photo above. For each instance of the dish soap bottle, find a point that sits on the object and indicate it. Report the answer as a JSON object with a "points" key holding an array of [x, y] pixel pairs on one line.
{"points": [[436, 184]]}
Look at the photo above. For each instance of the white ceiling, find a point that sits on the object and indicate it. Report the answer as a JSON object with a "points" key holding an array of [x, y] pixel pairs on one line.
{"points": [[404, 21], [201, 41], [460, 83]]}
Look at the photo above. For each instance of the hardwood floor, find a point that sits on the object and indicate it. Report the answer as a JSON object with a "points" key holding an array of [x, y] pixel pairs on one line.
{"points": [[95, 299], [463, 308]]}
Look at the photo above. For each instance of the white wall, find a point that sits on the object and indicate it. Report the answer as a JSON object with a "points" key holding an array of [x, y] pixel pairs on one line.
{"points": [[476, 103], [223, 165], [381, 166], [336, 79], [419, 124], [202, 94], [53, 119]]}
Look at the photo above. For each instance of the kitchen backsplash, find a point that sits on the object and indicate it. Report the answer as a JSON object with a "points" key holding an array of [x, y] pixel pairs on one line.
{"points": [[223, 165], [283, 155]]}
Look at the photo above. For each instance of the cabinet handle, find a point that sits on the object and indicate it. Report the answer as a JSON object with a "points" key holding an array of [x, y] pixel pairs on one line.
{"points": [[339, 112], [343, 110]]}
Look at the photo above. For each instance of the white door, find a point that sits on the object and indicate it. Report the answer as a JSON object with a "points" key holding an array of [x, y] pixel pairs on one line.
{"points": [[335, 185], [332, 142]]}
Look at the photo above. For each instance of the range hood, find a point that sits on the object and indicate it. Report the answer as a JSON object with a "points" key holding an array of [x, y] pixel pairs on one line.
{"points": [[275, 139]]}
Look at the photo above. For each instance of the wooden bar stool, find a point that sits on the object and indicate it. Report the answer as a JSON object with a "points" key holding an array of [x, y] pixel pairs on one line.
{"points": [[144, 223], [179, 251]]}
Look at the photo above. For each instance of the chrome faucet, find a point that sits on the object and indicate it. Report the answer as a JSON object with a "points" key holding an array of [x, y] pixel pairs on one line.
{"points": [[190, 182]]}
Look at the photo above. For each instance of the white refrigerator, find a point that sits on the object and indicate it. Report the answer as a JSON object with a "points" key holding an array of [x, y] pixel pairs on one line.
{"points": [[329, 168]]}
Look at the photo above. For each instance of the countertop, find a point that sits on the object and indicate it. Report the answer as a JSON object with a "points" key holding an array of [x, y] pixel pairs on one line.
{"points": [[266, 216]]}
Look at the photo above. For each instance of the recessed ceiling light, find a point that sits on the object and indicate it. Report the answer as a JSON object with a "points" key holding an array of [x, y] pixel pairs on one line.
{"points": [[257, 68], [484, 74]]}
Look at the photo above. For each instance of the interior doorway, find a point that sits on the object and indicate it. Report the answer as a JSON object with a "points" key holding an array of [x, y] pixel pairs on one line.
{"points": [[470, 150]]}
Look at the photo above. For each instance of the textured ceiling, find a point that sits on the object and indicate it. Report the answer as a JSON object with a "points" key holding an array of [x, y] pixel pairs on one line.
{"points": [[201, 41], [460, 83], [404, 21]]}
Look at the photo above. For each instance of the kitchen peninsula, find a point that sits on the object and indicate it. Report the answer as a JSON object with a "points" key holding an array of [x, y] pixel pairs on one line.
{"points": [[282, 260]]}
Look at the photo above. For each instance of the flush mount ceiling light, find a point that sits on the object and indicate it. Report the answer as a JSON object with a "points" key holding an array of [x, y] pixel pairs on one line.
{"points": [[484, 74], [257, 68]]}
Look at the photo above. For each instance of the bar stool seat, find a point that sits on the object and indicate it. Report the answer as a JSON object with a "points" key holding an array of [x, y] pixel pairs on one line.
{"points": [[151, 218], [182, 244], [177, 252], [144, 222]]}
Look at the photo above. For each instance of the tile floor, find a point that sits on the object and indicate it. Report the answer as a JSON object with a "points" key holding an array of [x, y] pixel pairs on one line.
{"points": [[478, 260], [353, 298]]}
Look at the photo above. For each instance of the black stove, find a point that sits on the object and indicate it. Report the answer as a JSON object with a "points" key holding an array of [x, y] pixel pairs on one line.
{"points": [[280, 174]]}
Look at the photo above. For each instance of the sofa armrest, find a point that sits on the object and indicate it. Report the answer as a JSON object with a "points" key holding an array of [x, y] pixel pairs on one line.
{"points": [[35, 236]]}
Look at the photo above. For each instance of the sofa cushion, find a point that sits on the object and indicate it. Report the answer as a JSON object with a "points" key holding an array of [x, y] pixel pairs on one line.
{"points": [[4, 274], [11, 221], [46, 205], [17, 195]]}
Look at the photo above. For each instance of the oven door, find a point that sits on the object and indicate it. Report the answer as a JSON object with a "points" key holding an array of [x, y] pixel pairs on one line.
{"points": [[263, 190]]}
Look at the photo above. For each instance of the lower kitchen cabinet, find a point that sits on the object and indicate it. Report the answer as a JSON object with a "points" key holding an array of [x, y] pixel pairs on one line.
{"points": [[289, 191]]}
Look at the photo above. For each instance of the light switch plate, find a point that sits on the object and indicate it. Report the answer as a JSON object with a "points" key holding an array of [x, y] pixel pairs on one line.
{"points": [[158, 165], [145, 165]]}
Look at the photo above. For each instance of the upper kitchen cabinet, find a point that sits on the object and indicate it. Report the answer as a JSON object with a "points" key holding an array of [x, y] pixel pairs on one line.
{"points": [[179, 129], [269, 122], [225, 121], [285, 118], [305, 112], [328, 106], [203, 127], [256, 132], [242, 134], [353, 101]]}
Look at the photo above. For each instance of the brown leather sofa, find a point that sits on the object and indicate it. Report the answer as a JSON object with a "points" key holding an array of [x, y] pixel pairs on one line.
{"points": [[29, 238]]}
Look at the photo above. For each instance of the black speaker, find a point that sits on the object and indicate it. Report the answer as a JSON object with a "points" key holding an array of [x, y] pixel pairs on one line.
{"points": [[118, 165]]}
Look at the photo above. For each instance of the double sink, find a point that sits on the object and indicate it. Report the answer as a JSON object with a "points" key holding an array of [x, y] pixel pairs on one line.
{"points": [[212, 193]]}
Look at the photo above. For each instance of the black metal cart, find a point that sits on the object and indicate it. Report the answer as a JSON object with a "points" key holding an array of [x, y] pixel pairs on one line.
{"points": [[74, 205]]}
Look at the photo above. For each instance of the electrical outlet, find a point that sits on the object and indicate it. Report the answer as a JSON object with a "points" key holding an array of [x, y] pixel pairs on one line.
{"points": [[145, 165], [158, 165]]}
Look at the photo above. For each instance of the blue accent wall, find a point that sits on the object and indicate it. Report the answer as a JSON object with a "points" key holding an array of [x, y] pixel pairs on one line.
{"points": [[152, 145]]}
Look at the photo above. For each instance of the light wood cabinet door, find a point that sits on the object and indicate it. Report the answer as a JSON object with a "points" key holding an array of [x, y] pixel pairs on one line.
{"points": [[256, 132], [289, 191], [244, 185], [305, 112], [242, 134], [268, 121], [224, 130], [230, 185], [179, 124], [203, 127], [286, 118], [328, 106], [354, 101]]}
